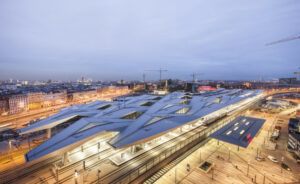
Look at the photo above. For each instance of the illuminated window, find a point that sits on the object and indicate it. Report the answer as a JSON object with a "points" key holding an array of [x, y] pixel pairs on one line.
{"points": [[229, 132]]}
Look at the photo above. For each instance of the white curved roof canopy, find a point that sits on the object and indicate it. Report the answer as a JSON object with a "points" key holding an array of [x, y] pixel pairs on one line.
{"points": [[150, 121]]}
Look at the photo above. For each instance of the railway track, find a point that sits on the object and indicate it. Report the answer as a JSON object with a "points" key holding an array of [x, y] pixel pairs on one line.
{"points": [[125, 165], [10, 176], [115, 174], [146, 156], [109, 178]]}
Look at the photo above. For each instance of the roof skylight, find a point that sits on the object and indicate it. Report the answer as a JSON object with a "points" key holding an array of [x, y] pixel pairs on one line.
{"points": [[183, 110], [155, 119], [104, 106], [147, 104], [132, 115]]}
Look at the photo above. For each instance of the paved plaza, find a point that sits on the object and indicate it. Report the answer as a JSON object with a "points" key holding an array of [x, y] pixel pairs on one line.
{"points": [[238, 165]]}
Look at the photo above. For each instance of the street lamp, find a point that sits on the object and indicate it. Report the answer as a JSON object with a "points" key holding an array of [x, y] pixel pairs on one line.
{"points": [[175, 175], [212, 171], [56, 172], [99, 171], [99, 150], [248, 168], [9, 143], [282, 159], [229, 153], [264, 177], [75, 176], [200, 155]]}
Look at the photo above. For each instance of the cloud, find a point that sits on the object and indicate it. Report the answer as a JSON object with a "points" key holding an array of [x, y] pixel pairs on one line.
{"points": [[120, 39]]}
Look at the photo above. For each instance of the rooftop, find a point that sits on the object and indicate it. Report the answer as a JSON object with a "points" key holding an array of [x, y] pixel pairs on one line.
{"points": [[130, 118], [240, 131]]}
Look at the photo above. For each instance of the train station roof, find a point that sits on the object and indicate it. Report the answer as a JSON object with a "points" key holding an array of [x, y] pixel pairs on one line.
{"points": [[240, 131], [134, 118]]}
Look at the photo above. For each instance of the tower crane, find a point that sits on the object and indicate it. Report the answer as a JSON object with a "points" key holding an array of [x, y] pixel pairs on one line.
{"points": [[160, 73], [284, 40], [194, 80], [194, 76]]}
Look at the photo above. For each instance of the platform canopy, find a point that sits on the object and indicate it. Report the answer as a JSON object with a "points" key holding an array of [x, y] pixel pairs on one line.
{"points": [[240, 131], [136, 119]]}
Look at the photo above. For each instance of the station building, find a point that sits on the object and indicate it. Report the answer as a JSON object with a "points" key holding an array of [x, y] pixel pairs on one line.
{"points": [[132, 122]]}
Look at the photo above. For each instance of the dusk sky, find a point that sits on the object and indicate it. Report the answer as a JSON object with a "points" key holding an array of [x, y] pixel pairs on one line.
{"points": [[112, 40]]}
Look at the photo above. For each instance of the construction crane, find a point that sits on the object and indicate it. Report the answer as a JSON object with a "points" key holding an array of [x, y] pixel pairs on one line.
{"points": [[194, 76], [284, 40], [160, 73], [194, 80]]}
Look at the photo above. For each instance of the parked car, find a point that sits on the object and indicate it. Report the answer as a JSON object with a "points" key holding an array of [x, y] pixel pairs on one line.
{"points": [[273, 159], [286, 167], [258, 158]]}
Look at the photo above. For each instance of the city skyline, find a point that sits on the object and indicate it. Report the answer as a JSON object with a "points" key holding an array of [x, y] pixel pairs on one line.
{"points": [[119, 40]]}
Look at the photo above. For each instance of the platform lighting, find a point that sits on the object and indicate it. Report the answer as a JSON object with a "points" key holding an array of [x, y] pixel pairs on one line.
{"points": [[75, 173], [248, 167]]}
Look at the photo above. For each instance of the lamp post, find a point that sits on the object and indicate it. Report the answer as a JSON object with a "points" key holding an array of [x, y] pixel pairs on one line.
{"points": [[229, 154], [56, 172], [282, 159], [9, 143], [99, 171], [83, 165], [99, 150], [248, 168], [264, 177], [75, 176], [200, 155], [212, 174], [175, 175]]}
